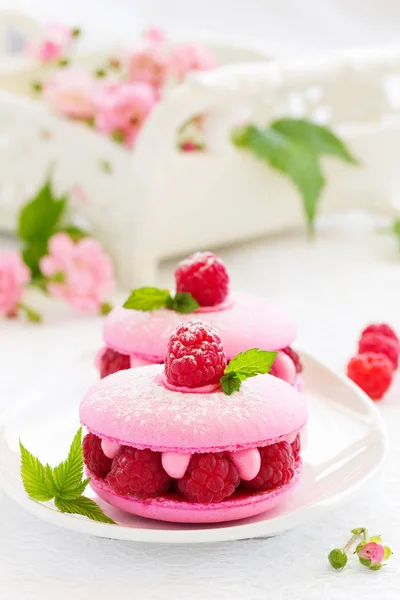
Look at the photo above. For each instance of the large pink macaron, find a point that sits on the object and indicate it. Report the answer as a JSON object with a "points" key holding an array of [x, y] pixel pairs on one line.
{"points": [[136, 408]]}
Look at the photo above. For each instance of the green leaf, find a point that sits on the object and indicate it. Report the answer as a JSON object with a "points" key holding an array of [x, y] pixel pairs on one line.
{"points": [[230, 383], [317, 138], [67, 476], [359, 531], [38, 219], [183, 302], [83, 506], [147, 298], [106, 308], [293, 159], [33, 476], [31, 255], [376, 567], [74, 232], [387, 552], [250, 363]]}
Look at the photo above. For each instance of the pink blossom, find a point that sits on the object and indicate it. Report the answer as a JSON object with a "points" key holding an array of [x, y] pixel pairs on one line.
{"points": [[82, 272], [72, 92], [13, 276], [122, 108], [373, 552], [191, 57], [53, 45], [148, 62]]}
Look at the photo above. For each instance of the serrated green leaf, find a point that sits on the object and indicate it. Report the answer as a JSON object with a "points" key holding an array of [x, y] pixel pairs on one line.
{"points": [[387, 552], [230, 383], [293, 159], [33, 476], [67, 476], [72, 493], [38, 219], [317, 138], [147, 299], [250, 363], [83, 506], [183, 302]]}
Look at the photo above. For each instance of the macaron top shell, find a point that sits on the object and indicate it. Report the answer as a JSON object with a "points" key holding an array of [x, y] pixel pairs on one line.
{"points": [[134, 407], [244, 321]]}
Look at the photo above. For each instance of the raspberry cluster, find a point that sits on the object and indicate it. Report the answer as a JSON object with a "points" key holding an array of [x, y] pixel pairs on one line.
{"points": [[210, 477], [372, 369]]}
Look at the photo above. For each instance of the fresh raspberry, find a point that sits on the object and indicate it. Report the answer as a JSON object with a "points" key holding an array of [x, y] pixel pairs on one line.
{"points": [[372, 372], [112, 361], [204, 275], [295, 358], [209, 478], [138, 473], [380, 344], [296, 447], [94, 457], [194, 356], [277, 467], [381, 328]]}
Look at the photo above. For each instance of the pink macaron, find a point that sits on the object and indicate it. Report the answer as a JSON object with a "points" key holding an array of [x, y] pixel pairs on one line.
{"points": [[135, 337], [191, 453]]}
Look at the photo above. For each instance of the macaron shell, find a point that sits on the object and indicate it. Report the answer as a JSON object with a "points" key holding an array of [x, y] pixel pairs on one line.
{"points": [[168, 509], [247, 322], [133, 407]]}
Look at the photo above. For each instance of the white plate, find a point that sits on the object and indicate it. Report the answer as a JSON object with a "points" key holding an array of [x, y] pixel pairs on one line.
{"points": [[344, 444]]}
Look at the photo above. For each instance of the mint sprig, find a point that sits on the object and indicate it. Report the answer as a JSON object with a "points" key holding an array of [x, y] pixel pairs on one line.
{"points": [[64, 484], [294, 147], [152, 298], [244, 365]]}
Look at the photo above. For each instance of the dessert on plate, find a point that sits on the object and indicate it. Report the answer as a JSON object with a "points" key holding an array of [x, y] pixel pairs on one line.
{"points": [[137, 334], [196, 439]]}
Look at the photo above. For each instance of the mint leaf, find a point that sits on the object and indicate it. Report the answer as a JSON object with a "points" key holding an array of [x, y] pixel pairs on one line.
{"points": [[147, 298], [66, 478], [230, 383], [83, 506], [183, 302], [38, 219], [317, 138], [244, 365], [33, 476], [295, 160], [250, 363]]}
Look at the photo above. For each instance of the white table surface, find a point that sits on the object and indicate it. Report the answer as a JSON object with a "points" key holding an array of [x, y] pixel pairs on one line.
{"points": [[333, 287]]}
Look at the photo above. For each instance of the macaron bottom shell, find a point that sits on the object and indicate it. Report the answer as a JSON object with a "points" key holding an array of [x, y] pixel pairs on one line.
{"points": [[172, 509]]}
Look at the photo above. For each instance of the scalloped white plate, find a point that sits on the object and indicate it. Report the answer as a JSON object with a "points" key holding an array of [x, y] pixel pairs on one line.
{"points": [[343, 445]]}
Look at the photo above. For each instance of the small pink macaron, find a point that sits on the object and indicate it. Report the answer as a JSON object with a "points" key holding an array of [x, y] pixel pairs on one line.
{"points": [[188, 452], [242, 320]]}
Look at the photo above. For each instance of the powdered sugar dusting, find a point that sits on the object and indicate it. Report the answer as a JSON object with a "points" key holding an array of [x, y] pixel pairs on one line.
{"points": [[134, 407]]}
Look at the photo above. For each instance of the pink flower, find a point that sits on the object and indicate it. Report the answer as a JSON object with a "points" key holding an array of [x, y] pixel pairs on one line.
{"points": [[148, 62], [55, 41], [372, 553], [122, 108], [72, 92], [82, 272], [13, 276], [191, 57]]}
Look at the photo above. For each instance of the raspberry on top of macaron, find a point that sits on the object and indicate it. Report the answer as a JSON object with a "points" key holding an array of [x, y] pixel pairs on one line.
{"points": [[205, 277], [198, 439]]}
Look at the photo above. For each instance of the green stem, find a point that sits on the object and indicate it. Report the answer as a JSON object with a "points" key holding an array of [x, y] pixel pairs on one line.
{"points": [[31, 314]]}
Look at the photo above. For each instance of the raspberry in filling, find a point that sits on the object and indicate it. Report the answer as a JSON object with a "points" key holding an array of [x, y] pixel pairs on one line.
{"points": [[112, 362], [94, 458], [209, 478]]}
